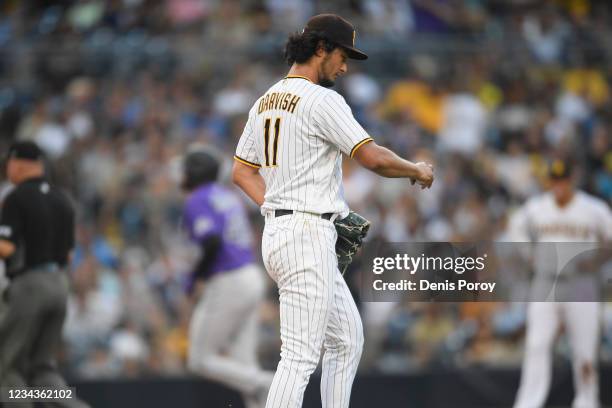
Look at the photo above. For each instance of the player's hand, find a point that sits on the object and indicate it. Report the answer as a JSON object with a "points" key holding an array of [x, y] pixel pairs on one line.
{"points": [[425, 176]]}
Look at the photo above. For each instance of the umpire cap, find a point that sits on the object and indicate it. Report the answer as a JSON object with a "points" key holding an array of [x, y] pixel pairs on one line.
{"points": [[199, 167], [25, 150]]}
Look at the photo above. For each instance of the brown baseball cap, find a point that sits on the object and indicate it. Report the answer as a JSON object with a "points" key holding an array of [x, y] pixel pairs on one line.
{"points": [[337, 30]]}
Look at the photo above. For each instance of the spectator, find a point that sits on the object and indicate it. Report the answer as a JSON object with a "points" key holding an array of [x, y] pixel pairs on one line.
{"points": [[546, 34]]}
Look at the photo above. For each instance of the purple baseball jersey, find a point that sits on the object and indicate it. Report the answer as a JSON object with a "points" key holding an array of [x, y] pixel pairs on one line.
{"points": [[213, 209]]}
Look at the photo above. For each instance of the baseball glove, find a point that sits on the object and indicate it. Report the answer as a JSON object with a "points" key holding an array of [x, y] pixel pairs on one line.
{"points": [[351, 232]]}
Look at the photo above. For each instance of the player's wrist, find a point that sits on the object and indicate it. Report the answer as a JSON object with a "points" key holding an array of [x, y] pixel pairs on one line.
{"points": [[421, 172], [415, 172]]}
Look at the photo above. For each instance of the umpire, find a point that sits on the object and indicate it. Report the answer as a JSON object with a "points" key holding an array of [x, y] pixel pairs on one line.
{"points": [[36, 237]]}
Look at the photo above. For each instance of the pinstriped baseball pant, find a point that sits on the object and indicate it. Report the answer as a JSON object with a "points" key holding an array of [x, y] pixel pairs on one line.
{"points": [[582, 320], [316, 311]]}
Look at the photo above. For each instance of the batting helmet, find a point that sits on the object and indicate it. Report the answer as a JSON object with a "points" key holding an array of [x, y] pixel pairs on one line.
{"points": [[199, 167]]}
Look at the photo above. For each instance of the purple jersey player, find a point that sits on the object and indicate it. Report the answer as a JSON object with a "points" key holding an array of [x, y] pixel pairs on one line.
{"points": [[223, 329], [213, 210]]}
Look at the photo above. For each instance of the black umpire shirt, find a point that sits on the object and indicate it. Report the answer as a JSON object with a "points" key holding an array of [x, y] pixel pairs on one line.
{"points": [[38, 219]]}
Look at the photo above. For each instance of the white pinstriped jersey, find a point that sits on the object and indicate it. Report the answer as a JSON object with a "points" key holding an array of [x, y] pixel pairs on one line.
{"points": [[295, 135], [584, 219]]}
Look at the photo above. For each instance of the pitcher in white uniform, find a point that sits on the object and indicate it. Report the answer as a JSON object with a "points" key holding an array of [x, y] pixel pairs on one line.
{"points": [[562, 215], [288, 160]]}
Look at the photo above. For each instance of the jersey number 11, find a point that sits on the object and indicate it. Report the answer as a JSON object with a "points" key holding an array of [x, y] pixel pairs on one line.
{"points": [[267, 141]]}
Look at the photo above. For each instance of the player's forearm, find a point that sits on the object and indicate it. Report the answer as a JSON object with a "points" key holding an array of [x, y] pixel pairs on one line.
{"points": [[210, 251], [389, 164], [250, 182], [254, 187]]}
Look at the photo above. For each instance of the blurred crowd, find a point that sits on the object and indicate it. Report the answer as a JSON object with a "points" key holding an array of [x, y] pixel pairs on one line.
{"points": [[115, 92]]}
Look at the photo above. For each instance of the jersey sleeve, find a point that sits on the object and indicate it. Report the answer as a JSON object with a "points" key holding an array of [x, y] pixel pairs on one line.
{"points": [[11, 219], [336, 124], [245, 151]]}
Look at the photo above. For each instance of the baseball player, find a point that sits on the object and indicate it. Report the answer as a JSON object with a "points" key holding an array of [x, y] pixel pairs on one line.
{"points": [[288, 160], [561, 215], [223, 330]]}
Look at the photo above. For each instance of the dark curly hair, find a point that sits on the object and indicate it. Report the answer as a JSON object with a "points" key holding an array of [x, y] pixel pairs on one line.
{"points": [[300, 47]]}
